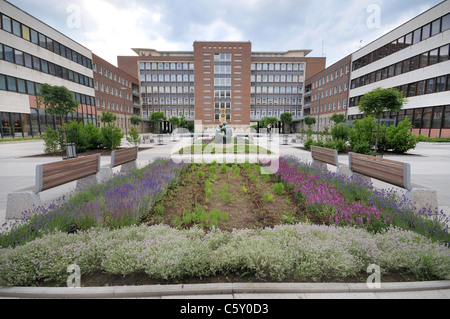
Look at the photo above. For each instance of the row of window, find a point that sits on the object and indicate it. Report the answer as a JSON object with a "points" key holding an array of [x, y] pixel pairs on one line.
{"points": [[328, 107], [155, 78], [277, 66], [117, 78], [169, 101], [437, 117], [32, 62], [166, 66], [430, 86], [15, 27], [276, 101], [277, 78], [423, 60], [12, 84], [429, 30], [335, 75], [276, 90]]}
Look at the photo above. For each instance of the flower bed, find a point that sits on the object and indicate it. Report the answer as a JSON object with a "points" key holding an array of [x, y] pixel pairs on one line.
{"points": [[285, 253], [357, 226]]}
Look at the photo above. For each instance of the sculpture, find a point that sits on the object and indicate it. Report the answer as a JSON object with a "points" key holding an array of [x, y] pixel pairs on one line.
{"points": [[224, 134]]}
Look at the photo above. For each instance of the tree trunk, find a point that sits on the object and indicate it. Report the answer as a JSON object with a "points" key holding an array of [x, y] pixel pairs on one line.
{"points": [[378, 136]]}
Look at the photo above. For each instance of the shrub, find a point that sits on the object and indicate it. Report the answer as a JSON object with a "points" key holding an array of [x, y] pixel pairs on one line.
{"points": [[51, 141], [111, 137], [362, 137], [401, 139], [279, 188], [340, 132], [134, 138], [77, 134]]}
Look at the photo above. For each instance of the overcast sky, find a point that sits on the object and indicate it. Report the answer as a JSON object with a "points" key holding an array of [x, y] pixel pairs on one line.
{"points": [[112, 27]]}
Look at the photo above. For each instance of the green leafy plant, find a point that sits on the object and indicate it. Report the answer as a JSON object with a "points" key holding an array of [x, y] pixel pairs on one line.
{"points": [[51, 141], [279, 188], [268, 197], [400, 138]]}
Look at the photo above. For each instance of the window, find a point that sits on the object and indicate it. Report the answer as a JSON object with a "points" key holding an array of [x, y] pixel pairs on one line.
{"points": [[34, 37], [418, 118], [423, 60], [18, 57], [446, 23], [443, 53], [27, 60], [412, 89], [30, 88], [2, 82], [36, 63], [406, 66], [441, 82], [6, 23], [16, 28], [414, 64], [9, 54], [398, 68], [42, 40], [434, 57], [426, 30], [44, 66], [12, 85], [421, 88], [391, 71], [26, 32], [408, 39], [417, 36], [426, 122], [436, 27], [2, 55], [431, 86], [21, 86], [401, 44]]}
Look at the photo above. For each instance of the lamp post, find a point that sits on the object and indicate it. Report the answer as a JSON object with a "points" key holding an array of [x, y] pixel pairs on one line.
{"points": [[125, 110]]}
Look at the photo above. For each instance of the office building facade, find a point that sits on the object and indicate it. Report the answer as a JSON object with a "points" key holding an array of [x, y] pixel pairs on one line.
{"points": [[222, 82], [414, 58], [31, 54], [327, 93], [116, 92]]}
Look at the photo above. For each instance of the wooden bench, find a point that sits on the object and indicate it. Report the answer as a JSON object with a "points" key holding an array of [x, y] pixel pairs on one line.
{"points": [[391, 172], [394, 173], [127, 158], [83, 170], [323, 156]]}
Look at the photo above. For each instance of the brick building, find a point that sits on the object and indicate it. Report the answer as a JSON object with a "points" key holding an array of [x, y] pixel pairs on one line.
{"points": [[117, 92], [327, 93], [222, 81]]}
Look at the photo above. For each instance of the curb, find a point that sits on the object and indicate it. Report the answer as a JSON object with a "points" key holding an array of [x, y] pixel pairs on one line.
{"points": [[214, 289]]}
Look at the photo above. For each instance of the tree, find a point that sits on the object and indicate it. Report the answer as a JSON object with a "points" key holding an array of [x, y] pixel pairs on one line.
{"points": [[310, 121], [135, 120], [157, 117], [111, 136], [377, 102], [338, 118], [175, 121], [58, 101], [286, 119], [108, 118]]}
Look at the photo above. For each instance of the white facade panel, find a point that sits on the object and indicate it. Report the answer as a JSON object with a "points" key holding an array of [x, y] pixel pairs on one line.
{"points": [[14, 102], [410, 26]]}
